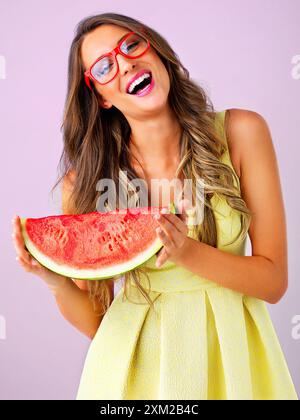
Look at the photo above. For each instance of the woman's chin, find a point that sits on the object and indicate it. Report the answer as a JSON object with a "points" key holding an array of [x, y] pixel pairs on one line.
{"points": [[153, 102]]}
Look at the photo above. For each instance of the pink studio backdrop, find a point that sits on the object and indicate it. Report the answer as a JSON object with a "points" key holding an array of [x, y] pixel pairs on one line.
{"points": [[246, 55]]}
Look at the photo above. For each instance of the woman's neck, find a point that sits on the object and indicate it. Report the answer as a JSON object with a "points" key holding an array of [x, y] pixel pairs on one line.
{"points": [[155, 142]]}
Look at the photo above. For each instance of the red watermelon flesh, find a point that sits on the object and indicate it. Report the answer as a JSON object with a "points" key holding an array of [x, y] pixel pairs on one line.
{"points": [[94, 245]]}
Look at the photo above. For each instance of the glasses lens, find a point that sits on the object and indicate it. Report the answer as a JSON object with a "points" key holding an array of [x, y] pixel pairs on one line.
{"points": [[104, 69], [134, 45]]}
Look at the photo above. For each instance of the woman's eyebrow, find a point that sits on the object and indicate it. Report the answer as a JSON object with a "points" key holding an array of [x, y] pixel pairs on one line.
{"points": [[118, 41]]}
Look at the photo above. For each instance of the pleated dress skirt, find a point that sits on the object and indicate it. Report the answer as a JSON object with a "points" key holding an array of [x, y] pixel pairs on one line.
{"points": [[199, 341]]}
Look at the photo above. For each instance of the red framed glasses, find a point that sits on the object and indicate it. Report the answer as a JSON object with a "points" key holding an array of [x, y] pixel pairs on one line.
{"points": [[106, 67]]}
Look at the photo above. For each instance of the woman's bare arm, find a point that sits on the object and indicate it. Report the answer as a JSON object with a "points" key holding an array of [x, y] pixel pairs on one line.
{"points": [[264, 274], [77, 308]]}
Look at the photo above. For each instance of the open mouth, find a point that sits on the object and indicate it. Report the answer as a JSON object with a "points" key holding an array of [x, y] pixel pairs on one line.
{"points": [[146, 81]]}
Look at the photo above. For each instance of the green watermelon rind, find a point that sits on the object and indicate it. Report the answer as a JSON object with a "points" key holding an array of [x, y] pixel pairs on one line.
{"points": [[89, 274]]}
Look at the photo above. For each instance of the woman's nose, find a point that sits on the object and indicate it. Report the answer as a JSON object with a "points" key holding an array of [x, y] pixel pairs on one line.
{"points": [[125, 64]]}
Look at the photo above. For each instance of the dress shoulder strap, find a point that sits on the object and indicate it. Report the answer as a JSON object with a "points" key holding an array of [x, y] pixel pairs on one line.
{"points": [[220, 124], [220, 127]]}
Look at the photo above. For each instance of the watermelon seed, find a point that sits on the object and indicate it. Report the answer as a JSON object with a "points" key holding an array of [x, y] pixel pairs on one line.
{"points": [[110, 247]]}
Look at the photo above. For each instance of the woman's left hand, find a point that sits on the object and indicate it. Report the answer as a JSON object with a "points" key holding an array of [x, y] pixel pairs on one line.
{"points": [[173, 232]]}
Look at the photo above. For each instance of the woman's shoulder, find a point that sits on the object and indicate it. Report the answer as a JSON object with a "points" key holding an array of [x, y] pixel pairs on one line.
{"points": [[70, 176], [68, 179], [66, 190], [243, 118], [240, 126]]}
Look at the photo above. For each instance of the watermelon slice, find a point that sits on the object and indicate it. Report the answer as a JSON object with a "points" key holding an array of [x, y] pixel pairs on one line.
{"points": [[95, 245]]}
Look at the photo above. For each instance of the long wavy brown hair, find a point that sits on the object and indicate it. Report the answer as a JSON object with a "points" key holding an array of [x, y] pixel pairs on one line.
{"points": [[96, 144]]}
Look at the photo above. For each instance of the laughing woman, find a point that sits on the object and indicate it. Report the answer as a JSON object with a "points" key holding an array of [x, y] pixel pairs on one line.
{"points": [[191, 322]]}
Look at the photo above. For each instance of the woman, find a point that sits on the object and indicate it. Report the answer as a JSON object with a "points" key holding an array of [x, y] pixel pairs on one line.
{"points": [[201, 330]]}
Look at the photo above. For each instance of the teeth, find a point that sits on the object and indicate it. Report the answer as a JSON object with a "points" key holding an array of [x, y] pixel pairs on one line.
{"points": [[137, 81]]}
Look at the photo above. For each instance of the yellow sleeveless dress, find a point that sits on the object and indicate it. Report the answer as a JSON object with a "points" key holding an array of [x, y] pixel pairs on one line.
{"points": [[201, 341]]}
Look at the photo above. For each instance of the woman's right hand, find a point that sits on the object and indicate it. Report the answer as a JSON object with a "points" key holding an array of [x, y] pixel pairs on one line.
{"points": [[31, 265]]}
